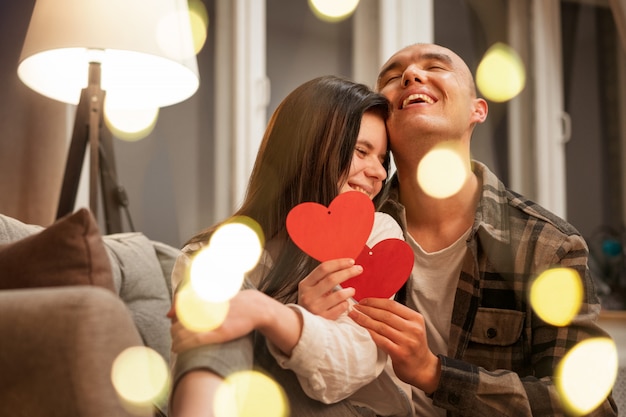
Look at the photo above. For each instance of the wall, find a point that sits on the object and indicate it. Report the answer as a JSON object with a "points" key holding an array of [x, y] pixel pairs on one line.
{"points": [[167, 174], [296, 40], [33, 130]]}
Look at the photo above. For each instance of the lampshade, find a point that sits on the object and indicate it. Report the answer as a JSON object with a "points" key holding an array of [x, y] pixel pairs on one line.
{"points": [[145, 48]]}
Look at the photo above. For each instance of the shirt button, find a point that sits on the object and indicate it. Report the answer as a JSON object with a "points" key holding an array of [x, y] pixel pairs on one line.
{"points": [[491, 333], [453, 398]]}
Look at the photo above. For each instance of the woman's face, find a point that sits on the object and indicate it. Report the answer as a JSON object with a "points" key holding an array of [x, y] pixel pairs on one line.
{"points": [[367, 171]]}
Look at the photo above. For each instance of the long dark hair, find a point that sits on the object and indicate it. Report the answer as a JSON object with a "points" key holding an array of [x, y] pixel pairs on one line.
{"points": [[306, 151]]}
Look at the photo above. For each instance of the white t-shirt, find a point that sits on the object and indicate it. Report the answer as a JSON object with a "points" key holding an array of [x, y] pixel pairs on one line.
{"points": [[431, 292]]}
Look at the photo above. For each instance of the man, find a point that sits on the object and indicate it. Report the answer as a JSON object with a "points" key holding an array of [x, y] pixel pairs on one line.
{"points": [[467, 340]]}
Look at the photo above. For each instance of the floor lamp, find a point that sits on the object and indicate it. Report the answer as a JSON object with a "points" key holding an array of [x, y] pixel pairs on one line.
{"points": [[89, 129], [133, 53]]}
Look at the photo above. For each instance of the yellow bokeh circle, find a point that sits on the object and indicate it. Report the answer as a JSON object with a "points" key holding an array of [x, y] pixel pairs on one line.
{"points": [[199, 19], [130, 124], [250, 394], [500, 75], [140, 375], [333, 10], [586, 375], [442, 172], [218, 270], [556, 295], [198, 314]]}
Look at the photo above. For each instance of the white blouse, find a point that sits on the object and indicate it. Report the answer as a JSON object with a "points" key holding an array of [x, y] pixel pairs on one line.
{"points": [[335, 359]]}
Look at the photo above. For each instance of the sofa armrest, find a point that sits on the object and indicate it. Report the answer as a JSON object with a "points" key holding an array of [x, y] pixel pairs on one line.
{"points": [[58, 346]]}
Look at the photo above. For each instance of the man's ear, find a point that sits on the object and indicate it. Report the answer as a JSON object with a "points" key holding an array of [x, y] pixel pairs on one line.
{"points": [[480, 111]]}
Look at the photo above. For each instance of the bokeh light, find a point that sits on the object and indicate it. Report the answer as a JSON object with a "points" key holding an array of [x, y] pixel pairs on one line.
{"points": [[199, 18], [173, 46], [586, 375], [140, 376], [198, 314], [217, 271], [250, 394], [333, 10], [130, 124], [556, 295], [500, 76], [442, 172]]}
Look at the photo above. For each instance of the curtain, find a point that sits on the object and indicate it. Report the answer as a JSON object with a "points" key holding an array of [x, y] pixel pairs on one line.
{"points": [[33, 132]]}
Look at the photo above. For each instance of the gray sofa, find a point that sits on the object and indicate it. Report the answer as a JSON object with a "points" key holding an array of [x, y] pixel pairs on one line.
{"points": [[70, 301]]}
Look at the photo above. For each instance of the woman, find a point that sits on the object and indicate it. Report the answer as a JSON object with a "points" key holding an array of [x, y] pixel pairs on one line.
{"points": [[327, 137]]}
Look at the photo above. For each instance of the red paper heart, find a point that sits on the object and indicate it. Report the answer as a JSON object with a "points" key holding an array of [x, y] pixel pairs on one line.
{"points": [[337, 231], [386, 267]]}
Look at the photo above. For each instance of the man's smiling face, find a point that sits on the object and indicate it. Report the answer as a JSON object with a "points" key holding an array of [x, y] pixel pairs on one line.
{"points": [[431, 90]]}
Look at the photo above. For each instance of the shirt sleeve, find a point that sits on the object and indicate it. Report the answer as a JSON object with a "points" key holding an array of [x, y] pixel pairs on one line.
{"points": [[180, 271], [333, 358]]}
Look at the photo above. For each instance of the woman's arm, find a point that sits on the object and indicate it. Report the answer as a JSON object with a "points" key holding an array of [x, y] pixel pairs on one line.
{"points": [[248, 310], [333, 358], [252, 310], [194, 395]]}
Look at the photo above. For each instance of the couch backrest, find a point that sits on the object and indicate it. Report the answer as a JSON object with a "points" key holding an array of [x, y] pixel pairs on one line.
{"points": [[141, 271]]}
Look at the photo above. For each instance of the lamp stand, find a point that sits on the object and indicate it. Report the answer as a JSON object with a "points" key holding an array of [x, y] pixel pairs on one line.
{"points": [[89, 128]]}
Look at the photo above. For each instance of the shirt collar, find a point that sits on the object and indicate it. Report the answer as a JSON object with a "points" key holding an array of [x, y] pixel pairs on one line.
{"points": [[491, 214]]}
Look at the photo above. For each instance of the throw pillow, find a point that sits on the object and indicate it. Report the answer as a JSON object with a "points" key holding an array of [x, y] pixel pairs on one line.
{"points": [[69, 252]]}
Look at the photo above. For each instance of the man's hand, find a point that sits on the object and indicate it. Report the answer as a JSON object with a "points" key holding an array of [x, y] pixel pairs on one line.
{"points": [[318, 292], [401, 333]]}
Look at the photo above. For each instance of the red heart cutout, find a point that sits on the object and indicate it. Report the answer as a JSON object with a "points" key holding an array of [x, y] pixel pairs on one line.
{"points": [[386, 267], [339, 231]]}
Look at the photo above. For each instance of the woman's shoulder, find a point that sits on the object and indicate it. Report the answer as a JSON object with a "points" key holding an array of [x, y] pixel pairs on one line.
{"points": [[385, 227], [385, 221]]}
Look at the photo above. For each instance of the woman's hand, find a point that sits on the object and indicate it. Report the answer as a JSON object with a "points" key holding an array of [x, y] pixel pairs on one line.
{"points": [[248, 310], [319, 292], [244, 315]]}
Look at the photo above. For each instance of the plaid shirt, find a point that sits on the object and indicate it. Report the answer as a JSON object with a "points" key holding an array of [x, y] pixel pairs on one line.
{"points": [[501, 355]]}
